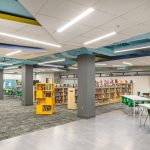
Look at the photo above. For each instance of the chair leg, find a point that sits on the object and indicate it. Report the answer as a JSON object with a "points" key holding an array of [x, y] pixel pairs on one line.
{"points": [[146, 119]]}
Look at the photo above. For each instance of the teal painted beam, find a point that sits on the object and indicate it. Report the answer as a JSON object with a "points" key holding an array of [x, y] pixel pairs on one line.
{"points": [[15, 8], [104, 51]]}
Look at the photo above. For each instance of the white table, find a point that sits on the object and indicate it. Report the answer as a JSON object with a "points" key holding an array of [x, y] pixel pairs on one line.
{"points": [[136, 98], [142, 107]]}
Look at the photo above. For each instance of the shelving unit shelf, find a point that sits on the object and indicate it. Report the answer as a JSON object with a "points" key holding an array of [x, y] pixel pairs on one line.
{"points": [[105, 94], [45, 98], [112, 94], [61, 95]]}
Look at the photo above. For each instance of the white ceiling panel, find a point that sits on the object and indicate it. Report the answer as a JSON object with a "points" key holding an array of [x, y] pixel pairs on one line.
{"points": [[62, 9], [118, 24], [25, 34], [32, 29], [79, 40], [11, 24], [33, 5], [97, 18], [50, 23], [140, 14], [95, 33], [89, 3], [118, 7], [136, 30], [128, 18], [147, 23], [63, 37]]}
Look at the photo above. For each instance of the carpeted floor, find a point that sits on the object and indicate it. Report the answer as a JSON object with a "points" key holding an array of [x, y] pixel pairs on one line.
{"points": [[16, 119]]}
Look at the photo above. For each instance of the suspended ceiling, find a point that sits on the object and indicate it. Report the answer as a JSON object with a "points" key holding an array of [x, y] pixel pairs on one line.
{"points": [[130, 19]]}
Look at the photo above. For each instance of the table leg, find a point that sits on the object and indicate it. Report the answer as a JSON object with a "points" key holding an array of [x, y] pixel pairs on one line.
{"points": [[140, 115], [134, 108], [146, 118]]}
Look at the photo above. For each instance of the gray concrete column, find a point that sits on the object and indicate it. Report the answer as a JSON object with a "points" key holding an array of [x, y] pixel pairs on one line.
{"points": [[86, 86], [1, 84], [27, 85]]}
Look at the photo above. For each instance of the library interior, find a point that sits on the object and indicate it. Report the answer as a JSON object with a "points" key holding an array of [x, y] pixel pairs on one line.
{"points": [[74, 74]]}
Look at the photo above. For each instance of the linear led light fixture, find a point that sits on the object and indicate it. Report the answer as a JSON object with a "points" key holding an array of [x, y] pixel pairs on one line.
{"points": [[98, 64], [76, 19], [131, 49], [100, 38], [127, 63], [54, 69], [117, 65], [13, 53], [47, 65], [13, 67], [53, 61], [5, 64], [28, 39]]}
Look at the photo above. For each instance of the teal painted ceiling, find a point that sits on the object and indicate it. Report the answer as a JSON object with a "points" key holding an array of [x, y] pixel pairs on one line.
{"points": [[106, 52], [13, 7]]}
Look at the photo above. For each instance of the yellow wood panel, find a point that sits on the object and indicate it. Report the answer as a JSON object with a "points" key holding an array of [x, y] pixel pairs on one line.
{"points": [[71, 99]]}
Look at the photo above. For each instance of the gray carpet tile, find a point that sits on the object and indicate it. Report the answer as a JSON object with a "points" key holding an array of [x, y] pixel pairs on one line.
{"points": [[16, 119]]}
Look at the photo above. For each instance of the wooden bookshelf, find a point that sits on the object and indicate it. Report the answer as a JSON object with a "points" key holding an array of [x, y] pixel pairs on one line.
{"points": [[113, 93], [61, 95], [45, 98], [104, 94]]}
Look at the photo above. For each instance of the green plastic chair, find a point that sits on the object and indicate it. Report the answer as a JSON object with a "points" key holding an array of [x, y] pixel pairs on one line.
{"points": [[19, 94], [138, 93], [130, 103]]}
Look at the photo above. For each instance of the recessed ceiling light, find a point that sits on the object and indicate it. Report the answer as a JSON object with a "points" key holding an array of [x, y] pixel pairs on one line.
{"points": [[13, 53], [127, 63], [76, 19], [100, 38], [131, 49], [28, 39], [53, 61]]}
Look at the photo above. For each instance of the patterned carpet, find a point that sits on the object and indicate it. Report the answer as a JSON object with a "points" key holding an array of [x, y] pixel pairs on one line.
{"points": [[16, 119]]}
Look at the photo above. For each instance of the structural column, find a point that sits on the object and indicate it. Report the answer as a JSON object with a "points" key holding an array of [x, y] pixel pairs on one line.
{"points": [[86, 86], [1, 84], [27, 85]]}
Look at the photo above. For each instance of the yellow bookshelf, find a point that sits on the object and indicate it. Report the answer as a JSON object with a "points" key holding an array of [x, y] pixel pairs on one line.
{"points": [[45, 98]]}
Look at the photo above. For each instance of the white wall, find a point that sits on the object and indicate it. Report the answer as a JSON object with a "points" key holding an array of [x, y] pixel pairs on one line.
{"points": [[69, 81], [42, 77], [15, 76], [141, 83], [12, 76]]}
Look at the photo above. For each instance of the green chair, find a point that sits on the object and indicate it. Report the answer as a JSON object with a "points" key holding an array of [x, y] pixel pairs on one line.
{"points": [[138, 93], [19, 94], [130, 103]]}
